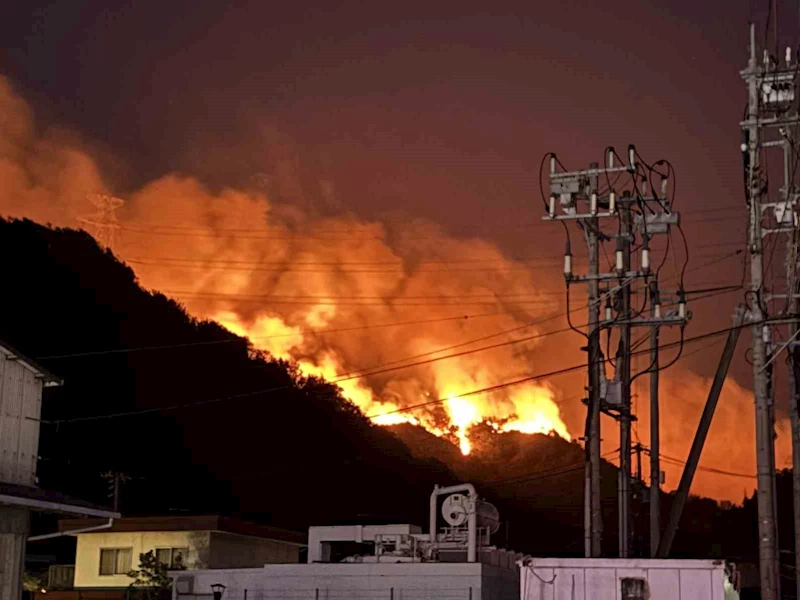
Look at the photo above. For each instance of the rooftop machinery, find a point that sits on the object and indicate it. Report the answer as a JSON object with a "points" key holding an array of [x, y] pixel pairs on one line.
{"points": [[465, 537]]}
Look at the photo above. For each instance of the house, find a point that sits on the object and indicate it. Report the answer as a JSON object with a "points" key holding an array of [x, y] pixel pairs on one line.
{"points": [[22, 381], [105, 555]]}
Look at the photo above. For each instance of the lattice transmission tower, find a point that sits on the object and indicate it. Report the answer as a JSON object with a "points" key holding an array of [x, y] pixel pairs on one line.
{"points": [[103, 224]]}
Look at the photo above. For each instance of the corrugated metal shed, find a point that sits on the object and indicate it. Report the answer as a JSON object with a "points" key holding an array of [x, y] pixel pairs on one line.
{"points": [[621, 579], [21, 384]]}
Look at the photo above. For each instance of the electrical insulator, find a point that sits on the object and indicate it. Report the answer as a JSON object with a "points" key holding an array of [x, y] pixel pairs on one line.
{"points": [[631, 157], [552, 163], [608, 309], [552, 208], [655, 298], [644, 186], [612, 202], [567, 262], [645, 260], [611, 159], [620, 266], [788, 56], [593, 204], [664, 182], [681, 304]]}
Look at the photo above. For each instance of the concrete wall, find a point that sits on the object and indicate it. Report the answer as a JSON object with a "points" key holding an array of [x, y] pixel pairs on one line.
{"points": [[231, 551], [87, 554], [354, 581], [20, 410]]}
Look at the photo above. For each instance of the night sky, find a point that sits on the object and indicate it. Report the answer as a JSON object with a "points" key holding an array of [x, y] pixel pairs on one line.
{"points": [[442, 110], [415, 109]]}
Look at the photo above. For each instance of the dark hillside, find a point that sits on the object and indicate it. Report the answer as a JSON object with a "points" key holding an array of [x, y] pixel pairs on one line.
{"points": [[216, 428], [271, 454]]}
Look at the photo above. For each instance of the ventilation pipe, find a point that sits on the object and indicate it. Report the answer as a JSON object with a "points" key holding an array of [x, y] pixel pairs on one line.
{"points": [[472, 518]]}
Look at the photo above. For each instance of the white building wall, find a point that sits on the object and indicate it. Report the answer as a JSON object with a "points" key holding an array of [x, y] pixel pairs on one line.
{"points": [[601, 579], [20, 410], [87, 554], [354, 581]]}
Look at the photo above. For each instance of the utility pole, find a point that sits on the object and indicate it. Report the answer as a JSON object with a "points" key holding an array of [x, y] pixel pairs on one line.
{"points": [[770, 109], [794, 416], [624, 372], [638, 491], [655, 434], [578, 196], [793, 371], [116, 490], [115, 480], [593, 527]]}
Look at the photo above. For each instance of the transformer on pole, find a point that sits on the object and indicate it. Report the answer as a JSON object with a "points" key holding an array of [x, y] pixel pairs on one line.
{"points": [[626, 195], [770, 124]]}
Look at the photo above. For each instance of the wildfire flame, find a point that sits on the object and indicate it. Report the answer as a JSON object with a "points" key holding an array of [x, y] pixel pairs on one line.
{"points": [[534, 410], [282, 276]]}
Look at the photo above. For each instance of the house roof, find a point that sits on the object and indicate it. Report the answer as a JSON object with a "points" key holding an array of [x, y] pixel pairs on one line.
{"points": [[191, 523], [12, 353], [47, 500]]}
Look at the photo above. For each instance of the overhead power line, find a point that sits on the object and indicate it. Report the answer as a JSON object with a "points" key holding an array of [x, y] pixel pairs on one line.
{"points": [[539, 376], [357, 328], [275, 336], [399, 267], [680, 462], [497, 334], [279, 233], [139, 412]]}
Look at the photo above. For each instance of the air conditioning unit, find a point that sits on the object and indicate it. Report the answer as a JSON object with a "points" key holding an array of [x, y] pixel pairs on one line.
{"points": [[184, 584]]}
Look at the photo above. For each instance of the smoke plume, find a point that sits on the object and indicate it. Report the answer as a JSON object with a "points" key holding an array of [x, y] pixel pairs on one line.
{"points": [[348, 299]]}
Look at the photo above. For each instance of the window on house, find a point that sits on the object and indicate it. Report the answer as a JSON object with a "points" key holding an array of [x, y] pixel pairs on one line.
{"points": [[115, 561], [174, 558]]}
